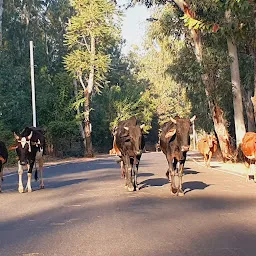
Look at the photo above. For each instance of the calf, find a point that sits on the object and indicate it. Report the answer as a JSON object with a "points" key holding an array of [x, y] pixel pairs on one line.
{"points": [[3, 160], [207, 146], [248, 147], [130, 142], [175, 142], [30, 148]]}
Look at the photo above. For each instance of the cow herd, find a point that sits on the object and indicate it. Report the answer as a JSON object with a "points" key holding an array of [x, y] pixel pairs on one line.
{"points": [[128, 144], [174, 142]]}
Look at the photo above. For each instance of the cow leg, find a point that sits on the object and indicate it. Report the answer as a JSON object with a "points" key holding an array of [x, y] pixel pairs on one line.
{"points": [[30, 169], [20, 172], [181, 170], [128, 174], [122, 169], [40, 163], [209, 159], [136, 172], [205, 159], [171, 171]]}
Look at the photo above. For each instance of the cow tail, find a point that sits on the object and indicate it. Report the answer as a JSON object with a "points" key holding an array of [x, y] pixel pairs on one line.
{"points": [[36, 175]]}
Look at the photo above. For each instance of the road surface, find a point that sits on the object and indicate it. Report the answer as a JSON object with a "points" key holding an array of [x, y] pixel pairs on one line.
{"points": [[85, 210]]}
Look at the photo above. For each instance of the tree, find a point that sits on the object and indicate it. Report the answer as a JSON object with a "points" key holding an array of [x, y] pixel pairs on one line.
{"points": [[90, 32], [1, 18]]}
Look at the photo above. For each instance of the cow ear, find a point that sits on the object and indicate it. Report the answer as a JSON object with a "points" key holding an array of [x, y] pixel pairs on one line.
{"points": [[16, 136], [30, 135], [192, 119], [170, 133]]}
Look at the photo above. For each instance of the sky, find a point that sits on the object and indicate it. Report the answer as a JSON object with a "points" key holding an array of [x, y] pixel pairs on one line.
{"points": [[134, 25]]}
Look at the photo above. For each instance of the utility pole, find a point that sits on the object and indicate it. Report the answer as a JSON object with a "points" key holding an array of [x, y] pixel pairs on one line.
{"points": [[32, 82], [194, 135]]}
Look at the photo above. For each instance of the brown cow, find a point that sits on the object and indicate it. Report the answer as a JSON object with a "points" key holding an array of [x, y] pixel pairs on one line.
{"points": [[207, 146], [248, 147]]}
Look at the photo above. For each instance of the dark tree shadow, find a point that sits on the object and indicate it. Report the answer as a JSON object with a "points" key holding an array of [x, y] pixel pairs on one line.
{"points": [[194, 185]]}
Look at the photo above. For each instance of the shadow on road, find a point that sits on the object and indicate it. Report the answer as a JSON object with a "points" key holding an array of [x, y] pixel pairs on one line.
{"points": [[158, 182], [194, 185], [189, 171], [147, 174]]}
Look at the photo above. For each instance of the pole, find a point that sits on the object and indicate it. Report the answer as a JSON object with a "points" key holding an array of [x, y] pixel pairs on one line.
{"points": [[32, 82], [194, 135]]}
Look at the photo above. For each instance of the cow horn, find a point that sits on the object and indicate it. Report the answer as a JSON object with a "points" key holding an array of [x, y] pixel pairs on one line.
{"points": [[142, 126], [193, 118], [30, 135], [126, 128], [16, 136], [173, 120]]}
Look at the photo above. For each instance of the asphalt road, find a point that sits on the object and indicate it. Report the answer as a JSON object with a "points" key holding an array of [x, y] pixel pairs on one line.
{"points": [[85, 210]]}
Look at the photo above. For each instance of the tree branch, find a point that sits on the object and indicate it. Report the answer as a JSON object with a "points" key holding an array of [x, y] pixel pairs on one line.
{"points": [[86, 44]]}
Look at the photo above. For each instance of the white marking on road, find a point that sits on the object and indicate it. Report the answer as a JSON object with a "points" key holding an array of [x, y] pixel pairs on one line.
{"points": [[73, 205], [57, 223]]}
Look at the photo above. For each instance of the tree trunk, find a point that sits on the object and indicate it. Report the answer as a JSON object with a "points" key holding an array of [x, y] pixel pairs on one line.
{"points": [[87, 95], [1, 19], [87, 125], [237, 95], [219, 121], [81, 128], [253, 99], [249, 110]]}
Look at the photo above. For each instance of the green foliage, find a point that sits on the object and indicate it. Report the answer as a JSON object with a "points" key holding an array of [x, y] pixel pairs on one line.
{"points": [[93, 20], [63, 138], [120, 99], [168, 97]]}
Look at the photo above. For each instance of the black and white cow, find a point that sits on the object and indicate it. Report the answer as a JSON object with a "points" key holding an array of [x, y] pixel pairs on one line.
{"points": [[3, 160], [30, 149], [130, 142], [175, 142]]}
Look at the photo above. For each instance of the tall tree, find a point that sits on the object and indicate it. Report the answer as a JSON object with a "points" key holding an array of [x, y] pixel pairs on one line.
{"points": [[90, 32], [1, 18]]}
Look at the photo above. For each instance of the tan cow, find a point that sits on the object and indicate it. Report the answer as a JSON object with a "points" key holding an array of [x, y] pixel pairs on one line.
{"points": [[248, 147], [207, 146]]}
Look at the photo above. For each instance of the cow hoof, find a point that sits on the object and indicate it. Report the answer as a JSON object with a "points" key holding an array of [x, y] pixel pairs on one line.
{"points": [[174, 191], [28, 190], [41, 186], [181, 193], [130, 189], [173, 194], [21, 190]]}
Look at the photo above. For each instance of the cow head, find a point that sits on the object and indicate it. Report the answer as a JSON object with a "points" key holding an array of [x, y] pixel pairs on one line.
{"points": [[211, 140], [135, 137], [23, 147], [181, 128]]}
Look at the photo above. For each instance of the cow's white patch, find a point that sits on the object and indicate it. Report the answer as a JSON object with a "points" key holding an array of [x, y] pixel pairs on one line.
{"points": [[23, 142], [251, 157]]}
